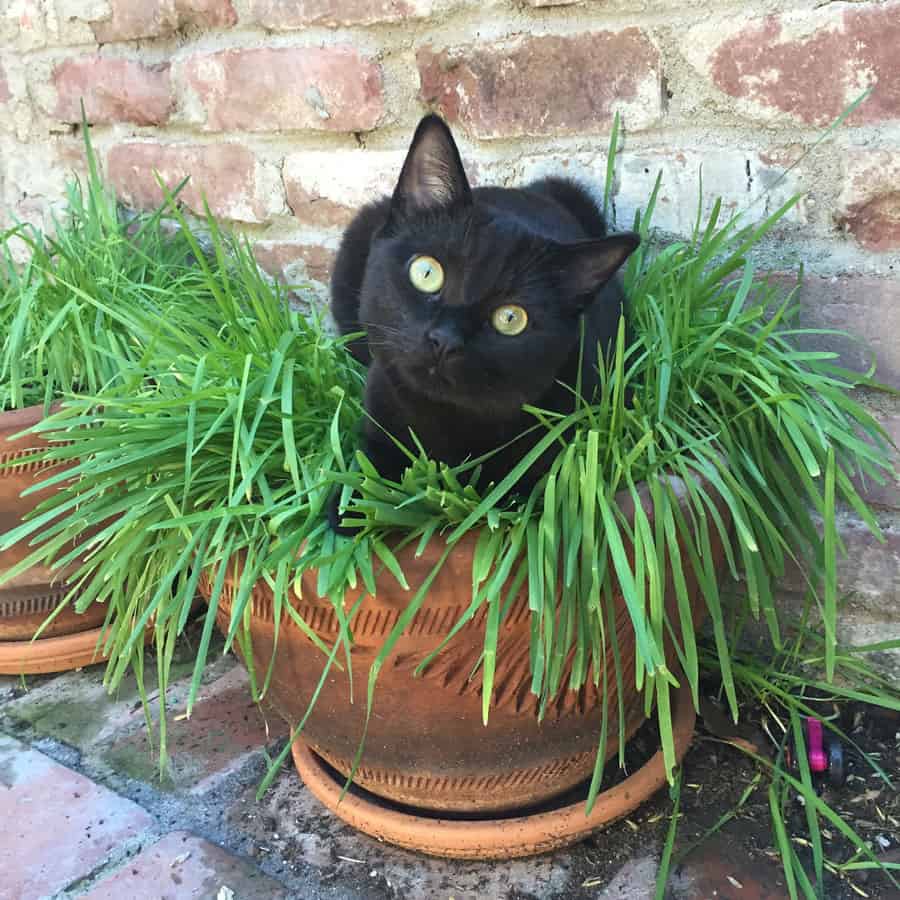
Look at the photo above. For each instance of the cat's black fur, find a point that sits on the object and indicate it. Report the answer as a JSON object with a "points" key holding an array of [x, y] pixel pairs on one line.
{"points": [[436, 364]]}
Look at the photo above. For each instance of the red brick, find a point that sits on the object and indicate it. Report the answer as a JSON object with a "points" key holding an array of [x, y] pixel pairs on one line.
{"points": [[859, 622], [113, 90], [136, 19], [286, 89], [287, 14], [870, 571], [325, 189], [183, 867], [545, 85], [869, 205], [235, 184], [865, 306], [315, 210], [887, 494], [809, 64], [58, 825], [226, 727], [78, 711], [294, 261]]}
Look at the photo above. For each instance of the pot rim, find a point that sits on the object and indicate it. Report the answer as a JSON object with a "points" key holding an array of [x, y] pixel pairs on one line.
{"points": [[24, 417], [53, 654], [504, 838]]}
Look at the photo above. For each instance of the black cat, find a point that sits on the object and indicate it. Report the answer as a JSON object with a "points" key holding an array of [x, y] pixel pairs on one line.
{"points": [[471, 302]]}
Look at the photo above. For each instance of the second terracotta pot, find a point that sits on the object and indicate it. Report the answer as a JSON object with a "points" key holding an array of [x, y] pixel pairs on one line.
{"points": [[70, 641]]}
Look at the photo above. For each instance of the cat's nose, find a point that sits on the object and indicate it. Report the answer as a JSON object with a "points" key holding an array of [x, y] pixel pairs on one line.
{"points": [[444, 340]]}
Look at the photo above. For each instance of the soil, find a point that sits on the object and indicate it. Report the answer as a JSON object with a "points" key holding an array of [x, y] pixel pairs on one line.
{"points": [[715, 775]]}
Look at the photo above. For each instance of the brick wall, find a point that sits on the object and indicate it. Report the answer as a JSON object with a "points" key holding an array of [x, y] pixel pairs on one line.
{"points": [[288, 114]]}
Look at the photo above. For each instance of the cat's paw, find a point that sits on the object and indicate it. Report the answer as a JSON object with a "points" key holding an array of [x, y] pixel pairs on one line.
{"points": [[334, 516]]}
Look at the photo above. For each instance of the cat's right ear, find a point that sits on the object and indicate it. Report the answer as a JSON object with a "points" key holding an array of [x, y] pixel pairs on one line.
{"points": [[586, 266], [432, 176]]}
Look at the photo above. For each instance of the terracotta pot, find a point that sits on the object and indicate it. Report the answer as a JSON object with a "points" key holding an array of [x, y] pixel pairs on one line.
{"points": [[25, 601], [495, 838], [426, 745]]}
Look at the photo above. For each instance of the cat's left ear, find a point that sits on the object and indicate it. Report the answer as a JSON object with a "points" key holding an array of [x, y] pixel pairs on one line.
{"points": [[587, 265], [433, 174]]}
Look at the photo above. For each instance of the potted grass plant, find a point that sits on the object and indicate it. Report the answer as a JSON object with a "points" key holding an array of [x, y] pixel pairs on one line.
{"points": [[60, 294], [591, 586]]}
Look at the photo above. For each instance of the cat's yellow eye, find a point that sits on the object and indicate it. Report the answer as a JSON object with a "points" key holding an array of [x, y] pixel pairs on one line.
{"points": [[426, 274], [509, 319]]}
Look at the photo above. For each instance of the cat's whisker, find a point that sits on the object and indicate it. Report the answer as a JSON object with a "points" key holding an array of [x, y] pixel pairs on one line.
{"points": [[375, 326], [390, 345]]}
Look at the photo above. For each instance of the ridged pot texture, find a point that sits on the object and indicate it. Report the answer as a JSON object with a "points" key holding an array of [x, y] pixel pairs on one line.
{"points": [[27, 599], [426, 744]]}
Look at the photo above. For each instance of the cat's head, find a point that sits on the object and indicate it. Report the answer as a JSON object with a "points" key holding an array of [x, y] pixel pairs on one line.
{"points": [[467, 307]]}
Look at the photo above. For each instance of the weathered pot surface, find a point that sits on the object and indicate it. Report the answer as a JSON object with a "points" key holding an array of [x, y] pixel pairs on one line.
{"points": [[26, 600], [426, 745], [496, 838]]}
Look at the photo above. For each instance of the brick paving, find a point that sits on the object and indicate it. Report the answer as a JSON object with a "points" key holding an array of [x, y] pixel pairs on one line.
{"points": [[183, 866], [86, 816], [224, 730], [59, 825]]}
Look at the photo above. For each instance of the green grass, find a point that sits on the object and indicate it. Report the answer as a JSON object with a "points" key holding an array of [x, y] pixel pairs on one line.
{"points": [[784, 688], [240, 420], [223, 417], [59, 325]]}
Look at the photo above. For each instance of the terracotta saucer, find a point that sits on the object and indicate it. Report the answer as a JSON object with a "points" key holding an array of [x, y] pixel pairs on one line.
{"points": [[498, 838], [52, 654]]}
